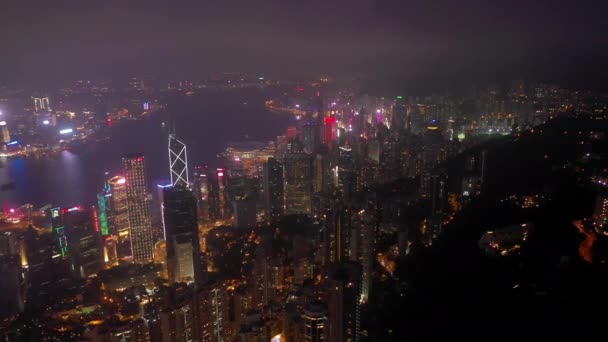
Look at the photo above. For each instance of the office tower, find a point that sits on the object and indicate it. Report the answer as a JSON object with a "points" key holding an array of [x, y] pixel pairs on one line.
{"points": [[311, 137], [329, 131], [399, 115], [298, 180], [178, 162], [6, 135], [118, 207], [344, 290], [273, 190], [202, 191], [138, 209], [244, 212], [85, 248], [315, 323], [222, 199], [344, 171], [181, 235], [212, 313], [41, 104], [178, 323], [12, 287]]}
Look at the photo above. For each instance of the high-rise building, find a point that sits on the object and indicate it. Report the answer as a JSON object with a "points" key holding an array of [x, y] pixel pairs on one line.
{"points": [[138, 209], [315, 323], [298, 178], [12, 286], [601, 211], [344, 290], [178, 162], [181, 234], [439, 198], [202, 191], [119, 217], [221, 176], [85, 247], [212, 312], [329, 130], [6, 135], [41, 104], [273, 190], [344, 171], [244, 213]]}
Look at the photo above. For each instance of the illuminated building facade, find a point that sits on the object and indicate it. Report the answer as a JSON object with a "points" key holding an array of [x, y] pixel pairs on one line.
{"points": [[246, 159], [344, 292], [181, 234], [119, 217], [138, 209], [6, 135], [273, 190], [298, 178], [85, 247], [178, 162], [41, 104], [202, 191], [315, 323]]}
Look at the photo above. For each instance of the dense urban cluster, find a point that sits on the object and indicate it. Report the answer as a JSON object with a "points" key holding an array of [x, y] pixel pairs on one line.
{"points": [[318, 235]]}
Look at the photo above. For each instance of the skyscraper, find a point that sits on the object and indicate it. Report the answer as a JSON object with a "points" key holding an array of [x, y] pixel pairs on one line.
{"points": [[181, 233], [41, 104], [6, 135], [178, 162], [273, 190], [344, 289], [202, 192], [119, 218], [138, 209], [85, 248], [315, 323], [298, 180], [345, 172]]}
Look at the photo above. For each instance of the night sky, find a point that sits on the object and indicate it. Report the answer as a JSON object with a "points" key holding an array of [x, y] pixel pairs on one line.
{"points": [[463, 39]]}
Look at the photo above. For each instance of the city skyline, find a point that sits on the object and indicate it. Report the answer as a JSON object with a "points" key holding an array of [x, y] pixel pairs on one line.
{"points": [[344, 171]]}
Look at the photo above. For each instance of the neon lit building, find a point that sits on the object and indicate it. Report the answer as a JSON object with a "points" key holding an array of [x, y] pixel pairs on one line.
{"points": [[329, 132], [119, 218], [138, 209], [6, 135]]}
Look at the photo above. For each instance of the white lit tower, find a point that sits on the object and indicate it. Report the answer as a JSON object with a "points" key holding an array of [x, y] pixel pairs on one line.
{"points": [[178, 162], [138, 209]]}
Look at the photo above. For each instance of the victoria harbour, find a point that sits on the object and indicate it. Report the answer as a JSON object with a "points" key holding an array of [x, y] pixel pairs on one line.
{"points": [[205, 121]]}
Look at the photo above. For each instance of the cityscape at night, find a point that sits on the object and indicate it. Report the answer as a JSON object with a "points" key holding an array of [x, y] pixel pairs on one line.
{"points": [[349, 171]]}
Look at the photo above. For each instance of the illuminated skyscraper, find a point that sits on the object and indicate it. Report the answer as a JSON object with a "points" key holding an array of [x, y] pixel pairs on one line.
{"points": [[138, 209], [85, 248], [181, 234], [6, 135], [298, 180], [344, 289], [119, 217], [41, 104], [273, 190], [344, 171], [202, 190], [315, 323], [178, 162]]}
